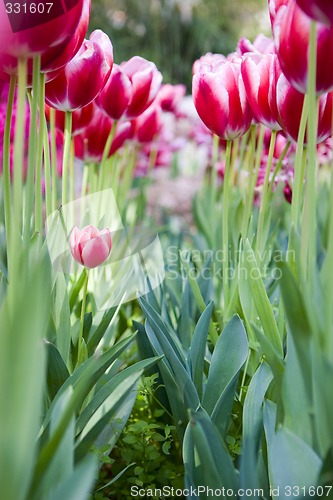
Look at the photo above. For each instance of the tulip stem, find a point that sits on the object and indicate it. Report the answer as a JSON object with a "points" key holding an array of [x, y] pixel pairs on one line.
{"points": [[213, 177], [53, 158], [67, 156], [6, 164], [39, 158], [47, 169], [308, 236], [104, 164], [225, 228], [83, 310], [260, 242]]}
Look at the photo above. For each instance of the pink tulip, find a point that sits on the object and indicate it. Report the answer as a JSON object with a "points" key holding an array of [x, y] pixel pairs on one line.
{"points": [[261, 45], [148, 124], [208, 63], [90, 144], [291, 29], [89, 246], [83, 78], [130, 89], [259, 76], [220, 100], [320, 10], [290, 104], [169, 96], [29, 32], [80, 118]]}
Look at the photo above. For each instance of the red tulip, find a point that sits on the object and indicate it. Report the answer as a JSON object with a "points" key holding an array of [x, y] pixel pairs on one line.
{"points": [[80, 118], [320, 10], [291, 29], [89, 246], [220, 100], [148, 124], [90, 144], [74, 87], [29, 32], [290, 104], [131, 88], [259, 76]]}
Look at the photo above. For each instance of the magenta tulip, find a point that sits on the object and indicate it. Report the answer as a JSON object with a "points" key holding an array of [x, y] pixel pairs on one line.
{"points": [[320, 10], [291, 29], [208, 63], [34, 28], [80, 118], [261, 45], [89, 246], [290, 104], [169, 96], [74, 86], [259, 76], [148, 124], [130, 89], [90, 144], [220, 100]]}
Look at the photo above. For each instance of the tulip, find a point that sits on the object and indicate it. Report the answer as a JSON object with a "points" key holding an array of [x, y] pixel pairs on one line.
{"points": [[208, 63], [291, 29], [261, 45], [259, 76], [27, 33], [169, 96], [290, 104], [90, 144], [74, 87], [220, 100], [148, 124], [320, 10], [89, 246], [131, 88], [80, 118]]}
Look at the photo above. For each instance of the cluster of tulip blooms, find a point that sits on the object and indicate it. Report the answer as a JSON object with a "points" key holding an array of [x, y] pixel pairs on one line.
{"points": [[266, 81]]}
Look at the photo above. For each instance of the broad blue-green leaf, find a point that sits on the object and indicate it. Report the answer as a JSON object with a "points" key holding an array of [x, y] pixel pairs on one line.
{"points": [[198, 348], [229, 355], [260, 298], [292, 462], [96, 336], [78, 486], [252, 426], [57, 372], [207, 462]]}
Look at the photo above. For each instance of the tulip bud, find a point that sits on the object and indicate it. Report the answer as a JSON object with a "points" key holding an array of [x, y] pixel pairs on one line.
{"points": [[291, 30], [73, 88], [320, 10], [220, 100], [89, 246]]}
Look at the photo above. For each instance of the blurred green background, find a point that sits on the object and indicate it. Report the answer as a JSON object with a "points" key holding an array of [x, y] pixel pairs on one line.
{"points": [[173, 33]]}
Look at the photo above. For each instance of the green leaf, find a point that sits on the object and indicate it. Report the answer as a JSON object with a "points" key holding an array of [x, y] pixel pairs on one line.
{"points": [[57, 372], [207, 462], [62, 317], [260, 298], [96, 336], [229, 355], [292, 462], [78, 485], [198, 348]]}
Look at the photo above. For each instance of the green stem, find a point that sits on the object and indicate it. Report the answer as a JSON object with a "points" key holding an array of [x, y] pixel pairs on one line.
{"points": [[83, 310], [67, 156], [30, 183], [47, 170], [298, 177], [260, 242], [6, 163], [39, 159], [53, 158], [213, 178], [225, 227], [104, 162], [19, 147], [309, 214]]}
